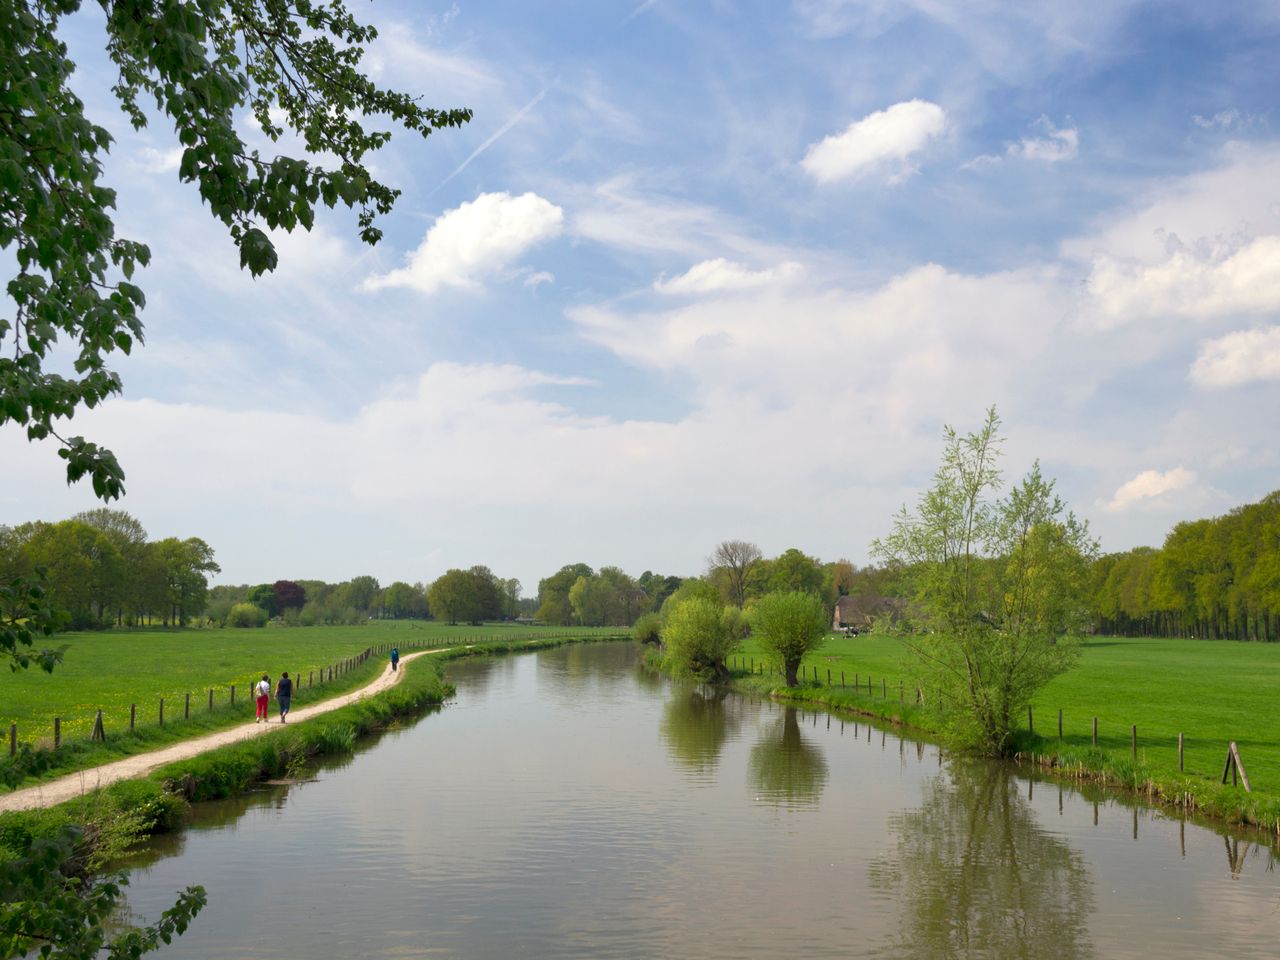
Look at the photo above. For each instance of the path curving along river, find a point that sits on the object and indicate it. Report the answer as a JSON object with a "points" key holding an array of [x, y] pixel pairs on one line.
{"points": [[570, 805]]}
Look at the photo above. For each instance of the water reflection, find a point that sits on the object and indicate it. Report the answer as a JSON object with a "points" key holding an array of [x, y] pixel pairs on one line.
{"points": [[784, 767], [696, 724], [975, 875]]}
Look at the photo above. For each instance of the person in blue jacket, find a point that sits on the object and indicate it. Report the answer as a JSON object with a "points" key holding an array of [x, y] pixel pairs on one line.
{"points": [[395, 658]]}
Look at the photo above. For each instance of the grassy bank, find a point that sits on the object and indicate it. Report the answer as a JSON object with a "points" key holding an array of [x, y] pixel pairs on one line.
{"points": [[127, 811], [1212, 692], [113, 670]]}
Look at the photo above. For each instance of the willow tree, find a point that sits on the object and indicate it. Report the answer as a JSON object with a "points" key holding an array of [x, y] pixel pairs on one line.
{"points": [[999, 586]]}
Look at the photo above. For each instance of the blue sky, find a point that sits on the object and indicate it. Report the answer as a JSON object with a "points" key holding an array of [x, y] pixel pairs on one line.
{"points": [[700, 271]]}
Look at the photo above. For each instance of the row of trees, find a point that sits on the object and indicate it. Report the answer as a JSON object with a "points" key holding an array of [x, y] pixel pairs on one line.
{"points": [[578, 595], [312, 602], [102, 569], [1216, 578]]}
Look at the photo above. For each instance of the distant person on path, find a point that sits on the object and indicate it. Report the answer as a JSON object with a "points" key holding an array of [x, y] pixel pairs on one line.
{"points": [[395, 659], [263, 691], [284, 693]]}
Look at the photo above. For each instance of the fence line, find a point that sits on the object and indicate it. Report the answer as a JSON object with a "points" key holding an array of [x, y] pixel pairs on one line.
{"points": [[749, 665]]}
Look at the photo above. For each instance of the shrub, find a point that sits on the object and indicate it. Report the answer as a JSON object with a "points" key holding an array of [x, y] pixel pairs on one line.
{"points": [[246, 615], [648, 629]]}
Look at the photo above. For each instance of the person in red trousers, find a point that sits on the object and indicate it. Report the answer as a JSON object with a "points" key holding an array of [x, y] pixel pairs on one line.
{"points": [[263, 691]]}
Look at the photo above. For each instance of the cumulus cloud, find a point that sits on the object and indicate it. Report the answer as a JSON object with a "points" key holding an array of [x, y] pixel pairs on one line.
{"points": [[1057, 144], [721, 275], [1199, 284], [881, 141], [1246, 356], [476, 239], [1149, 485]]}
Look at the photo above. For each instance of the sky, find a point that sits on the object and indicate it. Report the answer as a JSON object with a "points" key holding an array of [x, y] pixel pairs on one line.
{"points": [[715, 270]]}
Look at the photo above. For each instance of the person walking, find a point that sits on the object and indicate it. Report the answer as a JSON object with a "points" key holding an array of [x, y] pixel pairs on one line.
{"points": [[284, 694], [263, 691], [395, 659]]}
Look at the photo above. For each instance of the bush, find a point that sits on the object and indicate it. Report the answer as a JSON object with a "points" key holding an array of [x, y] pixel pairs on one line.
{"points": [[700, 633], [246, 615], [648, 629]]}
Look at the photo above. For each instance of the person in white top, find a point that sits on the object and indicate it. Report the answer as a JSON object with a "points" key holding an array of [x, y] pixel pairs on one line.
{"points": [[263, 691]]}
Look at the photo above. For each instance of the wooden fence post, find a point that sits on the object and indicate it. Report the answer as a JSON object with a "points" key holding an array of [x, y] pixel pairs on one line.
{"points": [[186, 710], [133, 716], [884, 689], [162, 711], [211, 698], [1181, 768], [1135, 741], [1059, 723], [57, 734], [233, 694], [1095, 731], [13, 739], [1031, 721]]}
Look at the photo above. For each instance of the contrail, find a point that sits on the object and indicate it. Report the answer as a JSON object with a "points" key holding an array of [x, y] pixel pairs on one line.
{"points": [[495, 136], [638, 10]]}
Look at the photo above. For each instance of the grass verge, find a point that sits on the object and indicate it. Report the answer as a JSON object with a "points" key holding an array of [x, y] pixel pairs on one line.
{"points": [[113, 670], [1153, 775]]}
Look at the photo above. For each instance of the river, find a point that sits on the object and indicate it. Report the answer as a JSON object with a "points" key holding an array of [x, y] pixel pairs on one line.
{"points": [[570, 805]]}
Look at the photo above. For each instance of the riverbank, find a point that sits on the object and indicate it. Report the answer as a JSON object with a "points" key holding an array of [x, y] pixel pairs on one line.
{"points": [[118, 815], [895, 703], [157, 688]]}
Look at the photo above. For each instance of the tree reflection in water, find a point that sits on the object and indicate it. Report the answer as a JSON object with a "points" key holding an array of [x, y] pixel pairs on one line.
{"points": [[976, 876], [784, 767], [696, 724]]}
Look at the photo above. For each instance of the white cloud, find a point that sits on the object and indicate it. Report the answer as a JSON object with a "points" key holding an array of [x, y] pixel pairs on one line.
{"points": [[1243, 357], [622, 214], [881, 141], [160, 161], [1224, 120], [1056, 145], [476, 239], [1148, 486], [539, 278], [721, 275], [1190, 283]]}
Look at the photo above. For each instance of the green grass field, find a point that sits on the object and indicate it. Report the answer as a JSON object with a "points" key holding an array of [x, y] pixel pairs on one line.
{"points": [[1211, 691], [113, 669]]}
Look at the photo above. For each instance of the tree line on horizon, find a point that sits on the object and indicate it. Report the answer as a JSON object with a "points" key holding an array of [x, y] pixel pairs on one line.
{"points": [[1215, 578]]}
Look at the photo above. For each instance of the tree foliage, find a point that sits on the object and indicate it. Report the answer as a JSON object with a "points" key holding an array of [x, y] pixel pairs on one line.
{"points": [[700, 633], [295, 64], [51, 907], [999, 585], [789, 625], [1214, 578]]}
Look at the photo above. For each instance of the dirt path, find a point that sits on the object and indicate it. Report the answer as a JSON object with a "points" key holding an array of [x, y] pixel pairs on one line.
{"points": [[73, 785]]}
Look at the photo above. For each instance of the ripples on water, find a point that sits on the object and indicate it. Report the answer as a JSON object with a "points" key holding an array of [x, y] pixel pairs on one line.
{"points": [[568, 805]]}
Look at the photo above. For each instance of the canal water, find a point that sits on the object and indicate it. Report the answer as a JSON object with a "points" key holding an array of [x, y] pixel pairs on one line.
{"points": [[570, 805]]}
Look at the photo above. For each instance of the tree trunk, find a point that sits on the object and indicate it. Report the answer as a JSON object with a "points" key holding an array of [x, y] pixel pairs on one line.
{"points": [[793, 667]]}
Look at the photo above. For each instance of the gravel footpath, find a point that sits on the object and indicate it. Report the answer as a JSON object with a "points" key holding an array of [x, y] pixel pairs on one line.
{"points": [[73, 785]]}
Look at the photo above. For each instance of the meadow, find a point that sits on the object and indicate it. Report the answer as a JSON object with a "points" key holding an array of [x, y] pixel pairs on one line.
{"points": [[1213, 692], [113, 670]]}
